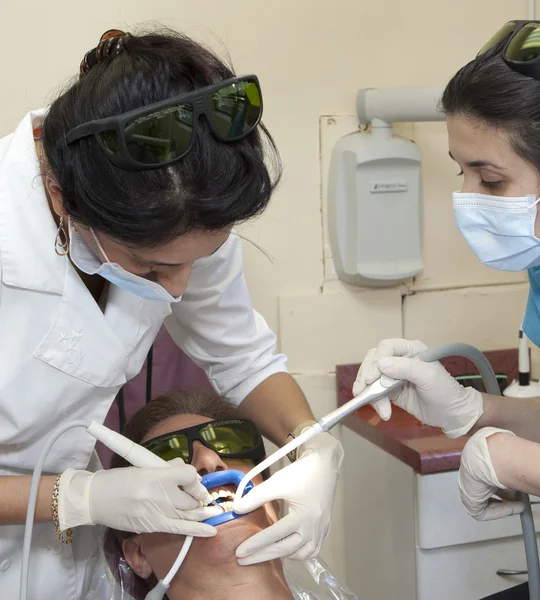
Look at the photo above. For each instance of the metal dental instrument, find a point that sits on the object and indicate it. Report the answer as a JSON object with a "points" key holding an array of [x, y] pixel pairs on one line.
{"points": [[217, 505]]}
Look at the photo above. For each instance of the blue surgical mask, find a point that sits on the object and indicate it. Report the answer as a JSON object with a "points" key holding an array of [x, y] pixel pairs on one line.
{"points": [[85, 260], [499, 229]]}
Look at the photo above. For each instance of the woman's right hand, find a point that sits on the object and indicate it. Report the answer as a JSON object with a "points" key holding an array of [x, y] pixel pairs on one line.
{"points": [[429, 393], [169, 500]]}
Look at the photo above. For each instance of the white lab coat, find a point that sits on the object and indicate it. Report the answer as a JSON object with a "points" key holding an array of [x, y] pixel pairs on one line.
{"points": [[62, 358]]}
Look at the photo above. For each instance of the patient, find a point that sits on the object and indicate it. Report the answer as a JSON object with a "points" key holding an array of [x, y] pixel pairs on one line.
{"points": [[210, 569]]}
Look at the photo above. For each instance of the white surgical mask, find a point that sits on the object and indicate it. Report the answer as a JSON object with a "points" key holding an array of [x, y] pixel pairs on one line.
{"points": [[499, 229], [85, 260]]}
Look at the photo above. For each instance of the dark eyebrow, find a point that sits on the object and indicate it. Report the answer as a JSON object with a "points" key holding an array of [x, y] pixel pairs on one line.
{"points": [[478, 164], [158, 263], [155, 263]]}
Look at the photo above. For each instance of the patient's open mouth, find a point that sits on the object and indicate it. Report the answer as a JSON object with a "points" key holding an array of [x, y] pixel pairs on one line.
{"points": [[224, 496]]}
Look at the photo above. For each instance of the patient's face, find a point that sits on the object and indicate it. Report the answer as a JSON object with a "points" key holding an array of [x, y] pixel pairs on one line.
{"points": [[161, 549]]}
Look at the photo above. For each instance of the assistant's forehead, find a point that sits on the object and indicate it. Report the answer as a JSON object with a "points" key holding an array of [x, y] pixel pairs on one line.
{"points": [[471, 140], [174, 423], [474, 140]]}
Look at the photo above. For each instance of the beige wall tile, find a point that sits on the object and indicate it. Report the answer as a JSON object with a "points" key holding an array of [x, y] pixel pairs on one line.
{"points": [[488, 317], [319, 331]]}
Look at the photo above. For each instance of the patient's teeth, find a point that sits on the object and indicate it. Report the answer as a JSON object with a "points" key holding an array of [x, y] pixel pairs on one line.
{"points": [[220, 494]]}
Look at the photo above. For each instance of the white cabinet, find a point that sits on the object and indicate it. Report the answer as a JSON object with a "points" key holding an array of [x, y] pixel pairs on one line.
{"points": [[408, 537], [468, 572]]}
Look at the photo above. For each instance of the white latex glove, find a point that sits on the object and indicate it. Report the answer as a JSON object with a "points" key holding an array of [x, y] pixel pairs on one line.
{"points": [[308, 487], [168, 500], [429, 393], [478, 480]]}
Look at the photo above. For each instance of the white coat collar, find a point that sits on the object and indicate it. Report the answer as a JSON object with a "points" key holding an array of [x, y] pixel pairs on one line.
{"points": [[27, 228]]}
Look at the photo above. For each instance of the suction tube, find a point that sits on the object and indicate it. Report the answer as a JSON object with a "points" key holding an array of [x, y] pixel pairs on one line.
{"points": [[382, 388], [492, 387]]}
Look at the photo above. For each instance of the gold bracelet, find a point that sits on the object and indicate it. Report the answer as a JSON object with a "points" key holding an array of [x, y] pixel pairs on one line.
{"points": [[68, 536]]}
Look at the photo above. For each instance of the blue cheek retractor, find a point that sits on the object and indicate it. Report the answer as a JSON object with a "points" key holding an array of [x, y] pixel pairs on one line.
{"points": [[220, 478]]}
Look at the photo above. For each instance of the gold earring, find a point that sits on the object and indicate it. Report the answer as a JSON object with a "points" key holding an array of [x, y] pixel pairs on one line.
{"points": [[61, 245]]}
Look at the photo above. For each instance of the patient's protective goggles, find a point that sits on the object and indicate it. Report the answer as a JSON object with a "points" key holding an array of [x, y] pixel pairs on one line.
{"points": [[160, 134], [522, 49], [231, 439]]}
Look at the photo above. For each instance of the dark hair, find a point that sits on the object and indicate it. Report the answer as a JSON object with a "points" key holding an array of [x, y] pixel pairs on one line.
{"points": [[215, 186], [488, 90], [180, 402]]}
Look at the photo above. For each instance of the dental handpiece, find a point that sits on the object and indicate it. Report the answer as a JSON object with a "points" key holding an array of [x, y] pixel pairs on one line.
{"points": [[136, 455], [142, 458], [377, 390]]}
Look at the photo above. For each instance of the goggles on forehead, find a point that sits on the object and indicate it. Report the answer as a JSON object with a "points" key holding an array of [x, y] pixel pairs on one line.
{"points": [[522, 49], [160, 134], [230, 438]]}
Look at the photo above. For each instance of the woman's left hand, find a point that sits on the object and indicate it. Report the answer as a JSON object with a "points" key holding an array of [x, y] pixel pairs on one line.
{"points": [[308, 487], [478, 481]]}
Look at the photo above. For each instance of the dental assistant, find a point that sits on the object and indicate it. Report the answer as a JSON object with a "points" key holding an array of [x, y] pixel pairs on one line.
{"points": [[493, 116], [117, 205]]}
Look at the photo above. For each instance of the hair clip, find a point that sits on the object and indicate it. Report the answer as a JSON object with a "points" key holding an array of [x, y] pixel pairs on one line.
{"points": [[110, 45]]}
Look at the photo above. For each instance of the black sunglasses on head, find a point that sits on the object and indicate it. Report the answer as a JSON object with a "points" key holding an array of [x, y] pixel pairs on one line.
{"points": [[160, 134], [230, 438], [522, 49]]}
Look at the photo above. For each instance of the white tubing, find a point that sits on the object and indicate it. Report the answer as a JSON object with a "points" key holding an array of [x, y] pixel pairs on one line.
{"points": [[162, 587], [32, 499], [179, 560]]}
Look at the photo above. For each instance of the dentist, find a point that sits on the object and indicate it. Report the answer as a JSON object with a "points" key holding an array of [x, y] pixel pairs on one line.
{"points": [[117, 205]]}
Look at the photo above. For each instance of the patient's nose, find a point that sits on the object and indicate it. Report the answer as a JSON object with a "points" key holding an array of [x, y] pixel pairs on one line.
{"points": [[206, 460]]}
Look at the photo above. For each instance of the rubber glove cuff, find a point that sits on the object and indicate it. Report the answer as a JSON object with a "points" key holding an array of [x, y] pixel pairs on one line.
{"points": [[73, 494]]}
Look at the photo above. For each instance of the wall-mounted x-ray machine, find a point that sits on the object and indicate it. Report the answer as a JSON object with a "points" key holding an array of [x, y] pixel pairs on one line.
{"points": [[375, 190]]}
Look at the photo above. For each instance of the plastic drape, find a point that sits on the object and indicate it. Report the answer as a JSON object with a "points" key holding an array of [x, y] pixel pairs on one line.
{"points": [[111, 578]]}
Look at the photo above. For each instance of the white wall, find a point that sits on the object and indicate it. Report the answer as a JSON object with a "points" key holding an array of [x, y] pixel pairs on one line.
{"points": [[311, 56]]}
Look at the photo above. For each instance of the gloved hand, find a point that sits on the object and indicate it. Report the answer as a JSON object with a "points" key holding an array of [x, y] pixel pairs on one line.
{"points": [[138, 500], [478, 480], [429, 392], [308, 487]]}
